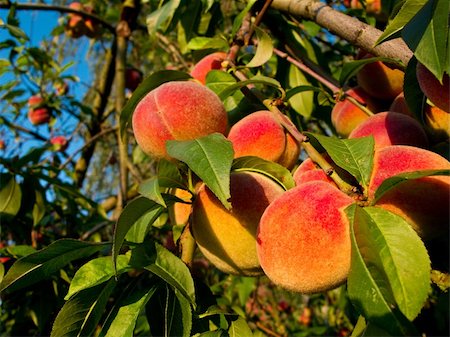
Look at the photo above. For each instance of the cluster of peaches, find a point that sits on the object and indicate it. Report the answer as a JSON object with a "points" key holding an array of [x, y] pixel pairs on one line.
{"points": [[77, 25], [299, 238]]}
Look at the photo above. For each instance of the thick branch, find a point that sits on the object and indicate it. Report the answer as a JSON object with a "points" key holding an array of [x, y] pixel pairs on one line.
{"points": [[349, 28]]}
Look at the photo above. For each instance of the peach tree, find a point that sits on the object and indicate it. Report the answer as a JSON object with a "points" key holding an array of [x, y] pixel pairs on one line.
{"points": [[225, 168]]}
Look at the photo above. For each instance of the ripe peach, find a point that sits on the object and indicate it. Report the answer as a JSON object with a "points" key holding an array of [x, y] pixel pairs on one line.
{"points": [[423, 202], [372, 6], [399, 105], [178, 110], [437, 93], [260, 134], [59, 143], [205, 65], [38, 113], [308, 171], [93, 28], [179, 213], [75, 26], [380, 81], [228, 238], [345, 115], [437, 122], [133, 77], [303, 239], [392, 128]]}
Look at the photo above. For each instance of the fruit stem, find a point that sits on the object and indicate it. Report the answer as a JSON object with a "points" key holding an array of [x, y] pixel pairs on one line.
{"points": [[187, 245], [359, 105]]}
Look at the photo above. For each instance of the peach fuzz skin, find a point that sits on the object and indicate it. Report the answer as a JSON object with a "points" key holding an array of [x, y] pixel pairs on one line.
{"points": [[308, 171], [179, 110], [392, 128], [380, 81], [437, 93], [227, 238], [259, 134], [437, 122], [423, 202], [303, 240], [346, 116], [205, 65]]}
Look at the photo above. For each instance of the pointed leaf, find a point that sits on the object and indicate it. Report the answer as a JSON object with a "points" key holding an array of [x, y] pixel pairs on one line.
{"points": [[390, 273], [264, 49], [239, 328], [151, 82], [81, 314], [42, 264], [210, 158], [160, 19], [150, 189], [300, 101], [201, 42], [130, 214], [268, 168], [95, 272], [142, 226], [353, 155], [258, 79], [122, 320], [157, 259], [391, 182], [10, 195]]}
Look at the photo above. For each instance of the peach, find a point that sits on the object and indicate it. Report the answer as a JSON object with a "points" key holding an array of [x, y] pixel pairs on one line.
{"points": [[179, 212], [75, 26], [260, 134], [392, 128], [437, 122], [206, 64], [227, 238], [178, 110], [93, 28], [345, 115], [380, 81], [133, 77], [437, 93], [60, 143], [399, 105], [423, 202], [38, 112], [303, 239], [308, 171]]}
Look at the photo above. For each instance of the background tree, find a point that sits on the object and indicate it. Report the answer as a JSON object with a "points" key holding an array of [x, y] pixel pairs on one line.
{"points": [[102, 236]]}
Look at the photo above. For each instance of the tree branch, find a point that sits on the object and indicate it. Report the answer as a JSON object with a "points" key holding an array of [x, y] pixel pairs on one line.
{"points": [[349, 28]]}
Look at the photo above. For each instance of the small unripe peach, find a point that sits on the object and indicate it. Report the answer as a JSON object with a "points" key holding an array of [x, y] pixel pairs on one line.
{"points": [[260, 134], [205, 65], [59, 143], [380, 81], [75, 26], [392, 128], [303, 240], [437, 93], [227, 238], [179, 110], [38, 113]]}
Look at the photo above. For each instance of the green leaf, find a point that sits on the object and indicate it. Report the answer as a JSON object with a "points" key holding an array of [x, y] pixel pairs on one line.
{"points": [[218, 80], [45, 262], [272, 170], [258, 79], [201, 42], [10, 195], [238, 20], [141, 227], [169, 313], [391, 182], [38, 208], [406, 13], [81, 314], [160, 19], [2, 271], [130, 214], [122, 320], [161, 262], [16, 32], [427, 35], [300, 101], [95, 272], [150, 189], [366, 329], [239, 328], [414, 96], [215, 333], [151, 82], [389, 278], [264, 49], [350, 69], [19, 251], [353, 155], [210, 158]]}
